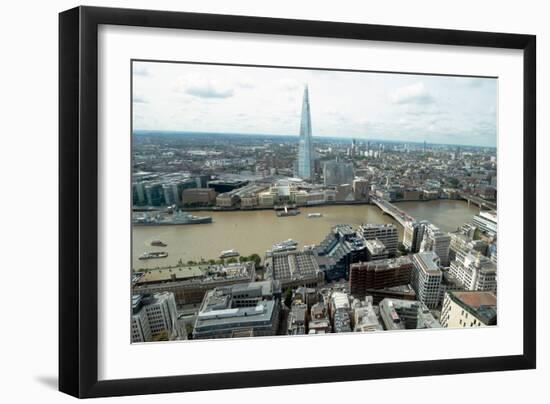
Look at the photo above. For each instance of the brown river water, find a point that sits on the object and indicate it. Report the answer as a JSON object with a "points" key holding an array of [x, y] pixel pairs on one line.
{"points": [[256, 231]]}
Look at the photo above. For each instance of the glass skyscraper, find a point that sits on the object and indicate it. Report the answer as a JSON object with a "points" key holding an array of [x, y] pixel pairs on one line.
{"points": [[305, 148]]}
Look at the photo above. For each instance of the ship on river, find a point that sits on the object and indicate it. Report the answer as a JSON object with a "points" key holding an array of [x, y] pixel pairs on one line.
{"points": [[178, 217], [154, 254]]}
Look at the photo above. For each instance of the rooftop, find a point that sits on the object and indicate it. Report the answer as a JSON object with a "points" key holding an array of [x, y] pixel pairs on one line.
{"points": [[483, 305], [203, 271], [375, 246], [428, 261]]}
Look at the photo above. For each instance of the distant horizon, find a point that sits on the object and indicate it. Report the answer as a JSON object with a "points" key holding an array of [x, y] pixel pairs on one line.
{"points": [[334, 137], [244, 99]]}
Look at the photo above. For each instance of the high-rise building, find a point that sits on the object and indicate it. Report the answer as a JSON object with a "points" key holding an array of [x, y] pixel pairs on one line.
{"points": [[305, 147], [337, 173], [437, 241], [413, 233], [426, 278], [361, 188]]}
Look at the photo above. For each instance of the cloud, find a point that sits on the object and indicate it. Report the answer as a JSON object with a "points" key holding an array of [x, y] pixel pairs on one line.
{"points": [[203, 87], [139, 99], [288, 84], [140, 71], [245, 83], [412, 94]]}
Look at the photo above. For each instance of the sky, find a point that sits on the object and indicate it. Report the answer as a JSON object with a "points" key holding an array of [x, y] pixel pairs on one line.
{"points": [[362, 105]]}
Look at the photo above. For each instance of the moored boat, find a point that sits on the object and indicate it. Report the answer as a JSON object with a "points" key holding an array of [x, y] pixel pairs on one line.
{"points": [[153, 254]]}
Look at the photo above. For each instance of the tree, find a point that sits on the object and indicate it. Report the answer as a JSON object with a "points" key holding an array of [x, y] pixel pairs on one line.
{"points": [[288, 297], [402, 249], [191, 263], [256, 258], [477, 234], [453, 182], [232, 260]]}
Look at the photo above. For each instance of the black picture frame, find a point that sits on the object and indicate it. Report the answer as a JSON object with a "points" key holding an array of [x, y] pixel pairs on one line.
{"points": [[78, 196]]}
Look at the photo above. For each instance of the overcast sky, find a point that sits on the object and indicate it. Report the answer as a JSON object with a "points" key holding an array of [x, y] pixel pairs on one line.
{"points": [[234, 99]]}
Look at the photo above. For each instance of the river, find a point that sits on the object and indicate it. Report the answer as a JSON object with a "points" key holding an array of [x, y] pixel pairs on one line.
{"points": [[256, 231]]}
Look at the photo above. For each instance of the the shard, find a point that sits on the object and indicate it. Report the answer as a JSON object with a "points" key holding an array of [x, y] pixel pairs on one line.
{"points": [[305, 147]]}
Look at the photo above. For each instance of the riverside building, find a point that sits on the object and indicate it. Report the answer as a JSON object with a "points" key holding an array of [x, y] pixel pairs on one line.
{"points": [[386, 233]]}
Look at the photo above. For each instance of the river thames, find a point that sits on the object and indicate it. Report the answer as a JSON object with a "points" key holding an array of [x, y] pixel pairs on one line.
{"points": [[256, 231]]}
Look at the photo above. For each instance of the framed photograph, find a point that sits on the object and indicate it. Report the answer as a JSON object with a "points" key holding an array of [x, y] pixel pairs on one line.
{"points": [[251, 201]]}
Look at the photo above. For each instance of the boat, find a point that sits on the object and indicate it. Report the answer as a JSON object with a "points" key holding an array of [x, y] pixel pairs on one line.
{"points": [[286, 245], [288, 241], [229, 253], [153, 254], [158, 243], [287, 212], [178, 217], [312, 215]]}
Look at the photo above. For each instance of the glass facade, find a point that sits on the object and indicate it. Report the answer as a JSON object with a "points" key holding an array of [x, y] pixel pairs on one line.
{"points": [[305, 148]]}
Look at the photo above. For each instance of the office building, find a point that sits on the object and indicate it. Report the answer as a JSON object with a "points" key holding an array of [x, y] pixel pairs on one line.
{"points": [[376, 250], [463, 309], [426, 278], [338, 173], [486, 221], [247, 307], [305, 146], [319, 321], [154, 194], [437, 241], [413, 233], [192, 197], [293, 269], [297, 319], [340, 248], [402, 292], [406, 315], [365, 276], [474, 271], [364, 316], [189, 283], [222, 186], [386, 233], [361, 189], [154, 318]]}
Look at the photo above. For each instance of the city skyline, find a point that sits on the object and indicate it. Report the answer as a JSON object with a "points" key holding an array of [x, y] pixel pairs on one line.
{"points": [[181, 97]]}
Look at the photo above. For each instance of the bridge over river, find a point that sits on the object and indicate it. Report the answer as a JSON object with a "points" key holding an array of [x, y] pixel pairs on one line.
{"points": [[392, 210]]}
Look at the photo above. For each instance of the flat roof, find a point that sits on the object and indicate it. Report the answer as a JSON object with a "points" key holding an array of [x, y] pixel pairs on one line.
{"points": [[479, 303], [428, 261]]}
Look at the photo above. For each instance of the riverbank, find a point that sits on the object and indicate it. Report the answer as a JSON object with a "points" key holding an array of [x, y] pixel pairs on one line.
{"points": [[255, 231]]}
